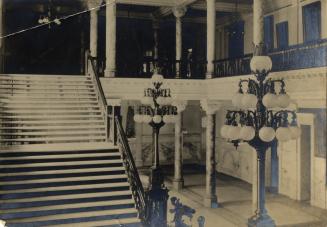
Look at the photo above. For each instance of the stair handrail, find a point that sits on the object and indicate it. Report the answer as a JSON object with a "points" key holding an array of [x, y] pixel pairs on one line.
{"points": [[133, 175], [93, 73]]}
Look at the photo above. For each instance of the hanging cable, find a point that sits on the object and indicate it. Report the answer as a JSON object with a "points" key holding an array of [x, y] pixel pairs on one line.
{"points": [[54, 21]]}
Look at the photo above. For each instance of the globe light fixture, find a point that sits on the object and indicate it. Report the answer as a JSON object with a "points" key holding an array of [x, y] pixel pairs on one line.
{"points": [[156, 110], [257, 122]]}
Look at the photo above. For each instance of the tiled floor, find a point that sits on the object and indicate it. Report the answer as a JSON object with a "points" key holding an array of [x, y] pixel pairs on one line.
{"points": [[235, 197]]}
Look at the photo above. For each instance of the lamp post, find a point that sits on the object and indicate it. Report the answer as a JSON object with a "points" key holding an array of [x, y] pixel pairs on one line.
{"points": [[156, 110], [259, 118]]}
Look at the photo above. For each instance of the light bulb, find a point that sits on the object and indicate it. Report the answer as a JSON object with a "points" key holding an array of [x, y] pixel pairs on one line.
{"points": [[283, 100], [234, 132], [267, 134], [283, 134], [157, 119], [247, 133], [138, 118], [249, 101], [237, 100], [260, 64], [224, 131], [295, 132], [269, 100], [146, 100], [157, 78], [161, 100], [147, 118]]}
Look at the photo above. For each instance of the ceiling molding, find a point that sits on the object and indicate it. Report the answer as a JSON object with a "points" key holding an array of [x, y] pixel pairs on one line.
{"points": [[224, 7], [169, 3]]}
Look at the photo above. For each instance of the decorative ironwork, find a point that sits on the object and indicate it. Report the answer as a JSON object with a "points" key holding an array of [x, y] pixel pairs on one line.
{"points": [[301, 56], [258, 120], [132, 173], [180, 211]]}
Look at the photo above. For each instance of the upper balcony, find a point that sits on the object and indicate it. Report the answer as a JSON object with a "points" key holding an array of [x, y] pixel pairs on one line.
{"points": [[301, 56]]}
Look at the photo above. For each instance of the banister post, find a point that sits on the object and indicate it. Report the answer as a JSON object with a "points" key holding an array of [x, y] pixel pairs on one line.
{"points": [[114, 111]]}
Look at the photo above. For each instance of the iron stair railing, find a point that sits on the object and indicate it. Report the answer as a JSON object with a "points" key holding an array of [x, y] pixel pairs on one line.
{"points": [[133, 176]]}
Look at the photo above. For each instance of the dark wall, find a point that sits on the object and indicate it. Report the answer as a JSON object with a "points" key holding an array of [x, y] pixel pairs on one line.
{"points": [[44, 50]]}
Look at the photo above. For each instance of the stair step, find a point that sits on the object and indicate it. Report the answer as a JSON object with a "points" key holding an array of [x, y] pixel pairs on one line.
{"points": [[69, 171], [62, 95], [42, 107], [36, 93], [46, 111], [70, 208], [71, 138], [67, 206], [126, 222], [89, 173], [79, 217], [82, 161], [60, 167], [44, 77], [11, 90], [57, 156], [62, 190], [55, 127], [70, 196], [79, 200], [60, 102], [53, 123], [47, 117]]}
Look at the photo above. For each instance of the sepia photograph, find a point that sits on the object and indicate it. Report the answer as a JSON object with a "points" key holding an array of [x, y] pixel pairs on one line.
{"points": [[163, 113]]}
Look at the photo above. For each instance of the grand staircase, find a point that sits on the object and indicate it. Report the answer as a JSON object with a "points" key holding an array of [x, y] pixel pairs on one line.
{"points": [[56, 168], [46, 109]]}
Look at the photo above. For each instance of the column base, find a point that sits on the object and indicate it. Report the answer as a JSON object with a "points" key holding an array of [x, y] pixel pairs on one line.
{"points": [[273, 190], [261, 221], [211, 202], [109, 73], [138, 163], [178, 184], [209, 75]]}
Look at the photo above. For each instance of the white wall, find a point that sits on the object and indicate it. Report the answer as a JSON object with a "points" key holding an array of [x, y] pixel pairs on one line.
{"points": [[282, 10]]}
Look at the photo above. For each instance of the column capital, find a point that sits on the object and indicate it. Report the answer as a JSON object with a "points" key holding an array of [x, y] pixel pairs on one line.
{"points": [[110, 1], [114, 102], [180, 104], [210, 106], [179, 11], [93, 4]]}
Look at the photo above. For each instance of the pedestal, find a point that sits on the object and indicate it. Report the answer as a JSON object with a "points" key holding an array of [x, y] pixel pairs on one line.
{"points": [[158, 196]]}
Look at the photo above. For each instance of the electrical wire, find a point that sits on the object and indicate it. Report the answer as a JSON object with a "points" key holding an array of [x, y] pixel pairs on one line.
{"points": [[53, 21]]}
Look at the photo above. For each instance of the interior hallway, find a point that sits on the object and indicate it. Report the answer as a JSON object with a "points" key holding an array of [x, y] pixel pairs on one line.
{"points": [[236, 199]]}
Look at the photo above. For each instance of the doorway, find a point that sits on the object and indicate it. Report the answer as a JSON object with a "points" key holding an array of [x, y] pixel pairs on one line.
{"points": [[305, 163]]}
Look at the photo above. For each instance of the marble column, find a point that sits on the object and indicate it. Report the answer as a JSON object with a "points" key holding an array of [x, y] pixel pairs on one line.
{"points": [[178, 181], [258, 16], [110, 38], [155, 26], [1, 34], [93, 6], [211, 31], [115, 110], [138, 136], [178, 12], [210, 199], [274, 169]]}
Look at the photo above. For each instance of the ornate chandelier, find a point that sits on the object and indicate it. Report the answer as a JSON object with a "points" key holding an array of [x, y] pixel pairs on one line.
{"points": [[258, 116], [258, 119], [48, 19], [156, 104]]}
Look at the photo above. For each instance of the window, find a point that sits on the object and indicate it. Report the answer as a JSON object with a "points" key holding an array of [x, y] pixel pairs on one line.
{"points": [[282, 35], [269, 32], [311, 15], [236, 39]]}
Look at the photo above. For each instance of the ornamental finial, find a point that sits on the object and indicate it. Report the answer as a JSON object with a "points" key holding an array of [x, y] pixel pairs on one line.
{"points": [[260, 49]]}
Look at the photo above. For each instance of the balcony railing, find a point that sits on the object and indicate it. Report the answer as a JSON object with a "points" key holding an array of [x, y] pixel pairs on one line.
{"points": [[302, 56], [307, 55], [168, 68]]}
